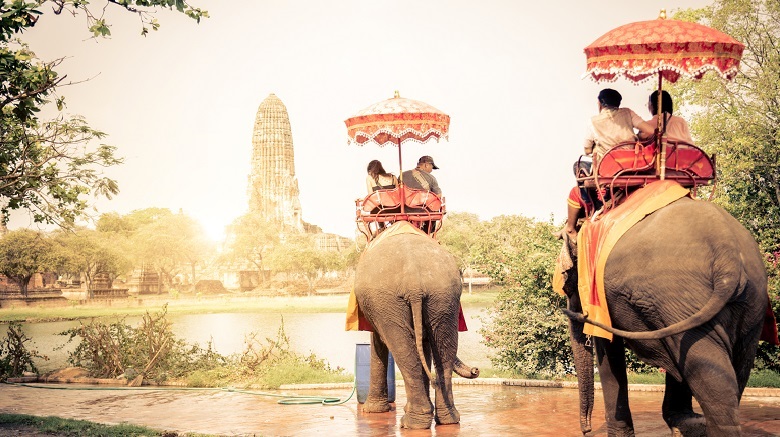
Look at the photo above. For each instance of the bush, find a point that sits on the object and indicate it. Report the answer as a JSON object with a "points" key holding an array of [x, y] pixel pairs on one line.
{"points": [[15, 357], [152, 350]]}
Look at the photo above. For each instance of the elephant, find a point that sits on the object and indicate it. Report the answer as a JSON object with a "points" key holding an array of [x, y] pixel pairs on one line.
{"points": [[687, 292], [408, 287]]}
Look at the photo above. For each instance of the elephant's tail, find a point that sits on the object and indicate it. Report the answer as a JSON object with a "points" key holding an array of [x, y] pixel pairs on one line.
{"points": [[417, 321], [711, 308]]}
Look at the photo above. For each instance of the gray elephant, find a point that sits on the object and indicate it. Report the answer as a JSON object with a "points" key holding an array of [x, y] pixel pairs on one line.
{"points": [[408, 287], [687, 292]]}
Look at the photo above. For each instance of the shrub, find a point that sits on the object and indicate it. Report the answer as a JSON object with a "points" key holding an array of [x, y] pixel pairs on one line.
{"points": [[15, 357]]}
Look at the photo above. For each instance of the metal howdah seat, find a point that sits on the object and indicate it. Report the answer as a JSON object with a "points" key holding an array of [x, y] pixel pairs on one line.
{"points": [[422, 208], [636, 163]]}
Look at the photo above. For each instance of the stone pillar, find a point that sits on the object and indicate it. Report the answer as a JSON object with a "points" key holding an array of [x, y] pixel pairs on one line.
{"points": [[273, 187]]}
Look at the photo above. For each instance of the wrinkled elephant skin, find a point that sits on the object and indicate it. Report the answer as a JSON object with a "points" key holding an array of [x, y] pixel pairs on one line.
{"points": [[409, 288], [692, 265]]}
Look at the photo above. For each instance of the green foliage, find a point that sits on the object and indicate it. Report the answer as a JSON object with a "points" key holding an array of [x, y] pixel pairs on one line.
{"points": [[90, 253], [46, 167], [738, 122], [252, 237], [108, 350], [15, 357], [72, 427], [526, 327], [23, 253], [299, 255], [764, 378]]}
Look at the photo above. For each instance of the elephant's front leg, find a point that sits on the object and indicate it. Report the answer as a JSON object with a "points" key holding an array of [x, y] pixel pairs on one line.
{"points": [[611, 358], [377, 388]]}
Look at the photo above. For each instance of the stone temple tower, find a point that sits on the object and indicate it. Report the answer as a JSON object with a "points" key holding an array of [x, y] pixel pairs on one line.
{"points": [[273, 187]]}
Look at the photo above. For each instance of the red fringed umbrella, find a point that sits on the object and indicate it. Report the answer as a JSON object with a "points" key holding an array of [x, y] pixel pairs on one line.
{"points": [[671, 48], [396, 120]]}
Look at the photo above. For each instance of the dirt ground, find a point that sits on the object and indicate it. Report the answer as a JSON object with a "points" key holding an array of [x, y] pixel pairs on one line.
{"points": [[489, 409]]}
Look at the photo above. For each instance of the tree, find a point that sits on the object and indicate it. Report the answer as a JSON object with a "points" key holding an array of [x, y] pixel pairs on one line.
{"points": [[168, 242], [46, 166], [298, 254], [461, 235], [527, 328], [89, 253], [739, 122], [250, 238], [24, 253]]}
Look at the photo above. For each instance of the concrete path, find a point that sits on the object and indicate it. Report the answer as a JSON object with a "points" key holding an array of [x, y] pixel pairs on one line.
{"points": [[486, 410]]}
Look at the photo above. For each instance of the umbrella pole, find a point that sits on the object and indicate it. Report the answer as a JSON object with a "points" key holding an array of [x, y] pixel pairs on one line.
{"points": [[661, 130], [401, 176]]}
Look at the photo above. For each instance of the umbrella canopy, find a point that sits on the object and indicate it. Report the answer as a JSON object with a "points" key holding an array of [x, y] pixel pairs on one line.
{"points": [[396, 120], [673, 48]]}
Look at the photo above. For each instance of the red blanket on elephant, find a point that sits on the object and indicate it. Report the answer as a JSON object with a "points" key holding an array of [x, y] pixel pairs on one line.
{"points": [[355, 319]]}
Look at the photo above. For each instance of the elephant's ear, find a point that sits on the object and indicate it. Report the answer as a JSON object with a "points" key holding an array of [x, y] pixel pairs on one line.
{"points": [[563, 264]]}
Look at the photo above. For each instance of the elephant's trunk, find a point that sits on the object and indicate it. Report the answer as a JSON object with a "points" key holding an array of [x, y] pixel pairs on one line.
{"points": [[583, 366], [465, 371], [581, 349]]}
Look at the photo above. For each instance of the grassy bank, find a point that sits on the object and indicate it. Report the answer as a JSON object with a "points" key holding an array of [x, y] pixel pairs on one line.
{"points": [[22, 424], [234, 303]]}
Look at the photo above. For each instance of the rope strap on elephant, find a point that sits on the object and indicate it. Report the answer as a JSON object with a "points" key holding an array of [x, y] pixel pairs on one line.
{"points": [[599, 235]]}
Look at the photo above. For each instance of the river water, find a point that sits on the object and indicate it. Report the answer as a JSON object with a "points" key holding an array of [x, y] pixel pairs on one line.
{"points": [[320, 333]]}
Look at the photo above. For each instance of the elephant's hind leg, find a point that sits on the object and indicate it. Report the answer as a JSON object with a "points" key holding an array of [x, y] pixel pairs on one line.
{"points": [[678, 410], [712, 380], [376, 402]]}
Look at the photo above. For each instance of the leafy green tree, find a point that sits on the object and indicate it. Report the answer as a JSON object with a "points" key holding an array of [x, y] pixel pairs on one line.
{"points": [[461, 235], [250, 238], [527, 329], [739, 122], [170, 243], [299, 255], [89, 253], [46, 166], [24, 253]]}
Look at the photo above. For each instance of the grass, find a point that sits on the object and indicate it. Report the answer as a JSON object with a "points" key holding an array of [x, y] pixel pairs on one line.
{"points": [[69, 427], [235, 303]]}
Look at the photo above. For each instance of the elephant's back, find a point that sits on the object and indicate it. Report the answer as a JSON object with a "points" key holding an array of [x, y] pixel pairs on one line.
{"points": [[667, 265], [403, 258]]}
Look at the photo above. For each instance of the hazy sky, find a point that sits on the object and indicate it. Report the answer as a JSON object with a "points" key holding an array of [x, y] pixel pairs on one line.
{"points": [[180, 103]]}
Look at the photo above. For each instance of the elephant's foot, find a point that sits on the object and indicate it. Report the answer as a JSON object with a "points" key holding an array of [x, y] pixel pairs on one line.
{"points": [[620, 429], [416, 421], [585, 425], [687, 425], [447, 416], [376, 406]]}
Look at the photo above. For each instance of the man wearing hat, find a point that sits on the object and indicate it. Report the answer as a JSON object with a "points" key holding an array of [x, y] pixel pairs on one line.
{"points": [[421, 178]]}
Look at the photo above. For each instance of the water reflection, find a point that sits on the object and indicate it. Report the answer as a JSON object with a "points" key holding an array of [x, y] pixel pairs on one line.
{"points": [[319, 333]]}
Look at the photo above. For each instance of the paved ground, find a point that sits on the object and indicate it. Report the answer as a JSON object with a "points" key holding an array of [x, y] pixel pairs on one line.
{"points": [[486, 410]]}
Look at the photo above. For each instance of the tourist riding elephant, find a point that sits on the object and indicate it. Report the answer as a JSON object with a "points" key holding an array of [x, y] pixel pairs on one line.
{"points": [[687, 292], [408, 287]]}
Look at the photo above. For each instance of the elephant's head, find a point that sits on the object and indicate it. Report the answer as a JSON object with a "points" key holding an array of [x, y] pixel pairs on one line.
{"points": [[581, 347]]}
